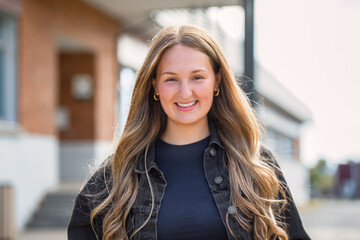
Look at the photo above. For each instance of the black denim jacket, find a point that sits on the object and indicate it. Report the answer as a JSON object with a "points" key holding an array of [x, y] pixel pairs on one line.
{"points": [[216, 173]]}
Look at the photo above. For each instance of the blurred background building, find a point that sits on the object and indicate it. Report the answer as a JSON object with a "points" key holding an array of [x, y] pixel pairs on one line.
{"points": [[347, 180], [67, 69]]}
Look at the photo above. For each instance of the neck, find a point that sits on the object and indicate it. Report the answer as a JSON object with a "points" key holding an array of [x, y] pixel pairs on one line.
{"points": [[180, 134]]}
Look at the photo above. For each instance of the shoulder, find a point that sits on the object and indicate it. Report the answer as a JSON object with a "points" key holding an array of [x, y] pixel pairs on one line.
{"points": [[98, 186], [267, 154], [90, 196], [290, 214]]}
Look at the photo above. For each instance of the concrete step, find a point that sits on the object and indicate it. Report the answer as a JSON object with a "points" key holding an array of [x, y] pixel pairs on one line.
{"points": [[55, 209]]}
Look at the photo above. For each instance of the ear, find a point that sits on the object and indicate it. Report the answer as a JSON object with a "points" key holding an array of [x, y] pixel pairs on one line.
{"points": [[153, 82], [218, 78]]}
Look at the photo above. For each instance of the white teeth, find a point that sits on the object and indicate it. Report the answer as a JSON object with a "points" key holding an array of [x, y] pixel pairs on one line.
{"points": [[186, 104]]}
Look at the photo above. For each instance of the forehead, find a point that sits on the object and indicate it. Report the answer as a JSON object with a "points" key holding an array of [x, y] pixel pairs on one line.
{"points": [[183, 58]]}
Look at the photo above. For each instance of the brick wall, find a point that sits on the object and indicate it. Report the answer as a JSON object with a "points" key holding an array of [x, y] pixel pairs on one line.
{"points": [[41, 25]]}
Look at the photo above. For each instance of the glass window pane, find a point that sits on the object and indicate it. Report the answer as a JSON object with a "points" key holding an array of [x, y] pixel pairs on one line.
{"points": [[8, 81], [1, 68], [1, 84], [1, 29], [127, 80]]}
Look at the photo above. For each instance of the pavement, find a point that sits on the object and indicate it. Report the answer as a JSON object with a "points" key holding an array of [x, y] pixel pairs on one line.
{"points": [[332, 219], [322, 219], [43, 234]]}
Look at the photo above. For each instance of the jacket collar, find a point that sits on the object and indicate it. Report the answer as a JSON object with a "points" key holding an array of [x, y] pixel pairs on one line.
{"points": [[214, 136], [150, 161]]}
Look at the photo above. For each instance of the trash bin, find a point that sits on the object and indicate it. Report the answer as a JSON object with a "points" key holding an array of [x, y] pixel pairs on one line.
{"points": [[7, 214]]}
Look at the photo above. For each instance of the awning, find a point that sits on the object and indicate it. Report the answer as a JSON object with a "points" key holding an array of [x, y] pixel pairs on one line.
{"points": [[135, 16]]}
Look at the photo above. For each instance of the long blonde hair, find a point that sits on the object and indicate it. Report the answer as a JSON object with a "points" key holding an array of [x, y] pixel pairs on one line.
{"points": [[254, 185]]}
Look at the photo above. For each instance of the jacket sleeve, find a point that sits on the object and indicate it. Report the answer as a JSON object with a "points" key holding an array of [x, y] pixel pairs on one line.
{"points": [[90, 196], [295, 228], [80, 226]]}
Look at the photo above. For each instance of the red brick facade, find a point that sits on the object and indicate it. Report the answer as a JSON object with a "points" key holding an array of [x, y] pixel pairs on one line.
{"points": [[42, 24]]}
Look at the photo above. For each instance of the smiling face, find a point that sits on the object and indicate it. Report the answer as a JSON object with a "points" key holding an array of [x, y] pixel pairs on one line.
{"points": [[185, 81]]}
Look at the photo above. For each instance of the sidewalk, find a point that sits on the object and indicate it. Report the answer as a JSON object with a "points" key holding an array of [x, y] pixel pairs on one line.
{"points": [[332, 220], [48, 234]]}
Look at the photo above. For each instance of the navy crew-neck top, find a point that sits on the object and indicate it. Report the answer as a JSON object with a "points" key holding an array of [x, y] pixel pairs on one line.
{"points": [[188, 209]]}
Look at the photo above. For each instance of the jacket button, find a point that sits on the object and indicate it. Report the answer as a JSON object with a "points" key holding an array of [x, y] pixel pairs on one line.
{"points": [[218, 179], [212, 152], [231, 210]]}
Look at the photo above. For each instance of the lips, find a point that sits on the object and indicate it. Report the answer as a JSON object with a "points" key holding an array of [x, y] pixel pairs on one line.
{"points": [[184, 105]]}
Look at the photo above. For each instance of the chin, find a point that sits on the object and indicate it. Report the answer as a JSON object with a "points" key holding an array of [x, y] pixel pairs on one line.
{"points": [[189, 121]]}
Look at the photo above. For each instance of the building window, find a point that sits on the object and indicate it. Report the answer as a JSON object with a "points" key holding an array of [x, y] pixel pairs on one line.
{"points": [[2, 50], [8, 78], [124, 93], [283, 145]]}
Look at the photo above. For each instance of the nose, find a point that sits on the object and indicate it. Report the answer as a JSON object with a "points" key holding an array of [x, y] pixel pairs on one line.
{"points": [[185, 89]]}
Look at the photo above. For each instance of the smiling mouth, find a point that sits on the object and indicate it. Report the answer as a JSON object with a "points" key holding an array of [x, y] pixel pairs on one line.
{"points": [[186, 104]]}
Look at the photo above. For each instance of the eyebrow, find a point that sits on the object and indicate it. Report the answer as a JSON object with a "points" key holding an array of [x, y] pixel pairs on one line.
{"points": [[172, 73]]}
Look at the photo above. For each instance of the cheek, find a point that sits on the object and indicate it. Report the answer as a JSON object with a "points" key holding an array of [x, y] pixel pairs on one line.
{"points": [[210, 99], [166, 92], [205, 92]]}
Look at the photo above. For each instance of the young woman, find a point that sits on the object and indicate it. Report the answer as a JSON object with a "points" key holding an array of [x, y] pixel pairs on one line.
{"points": [[190, 163]]}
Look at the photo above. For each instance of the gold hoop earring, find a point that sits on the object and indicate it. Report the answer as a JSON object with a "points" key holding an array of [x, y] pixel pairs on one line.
{"points": [[156, 97], [217, 92]]}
